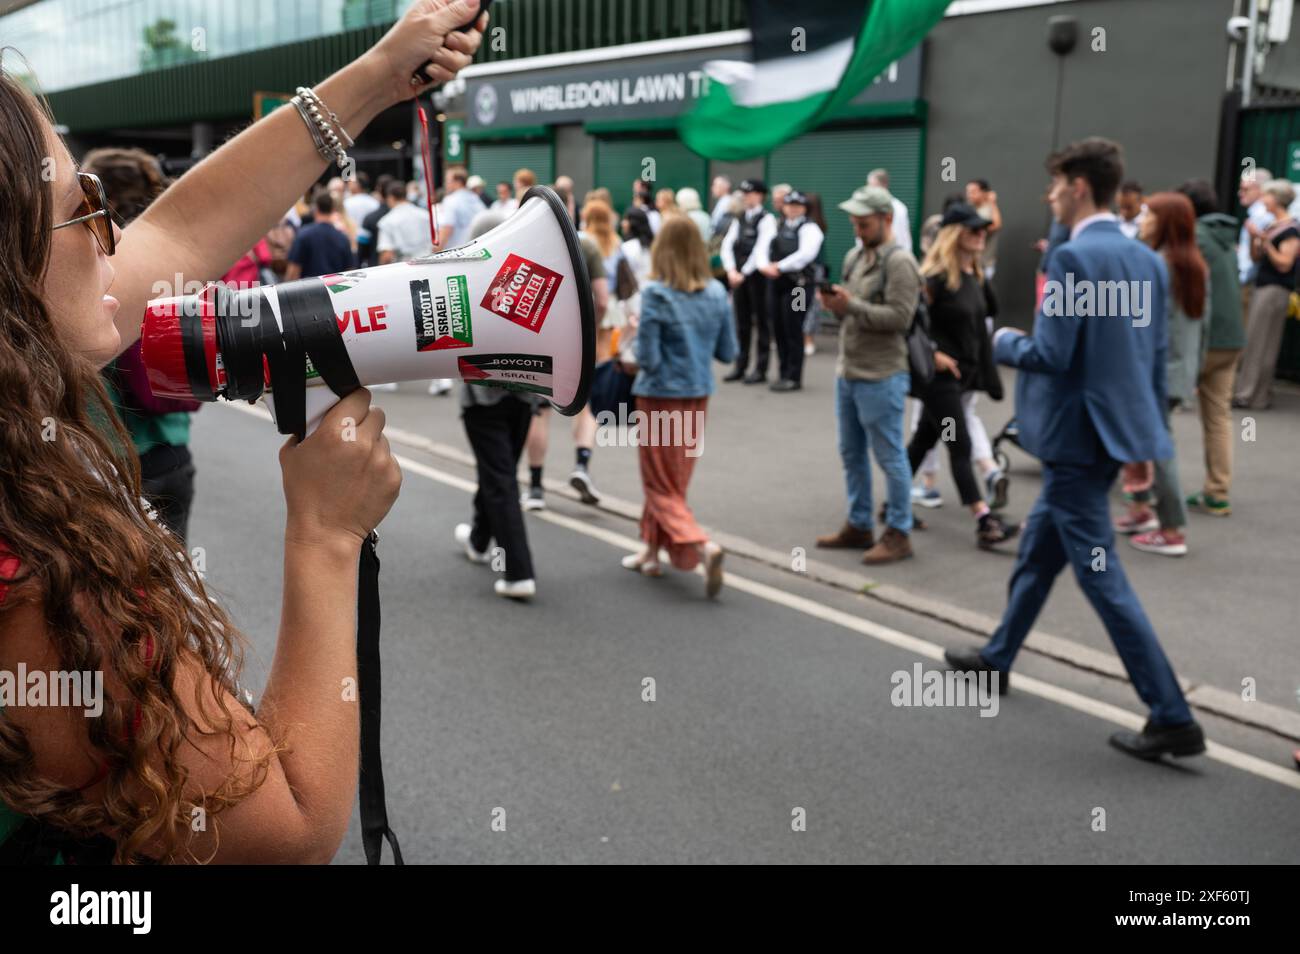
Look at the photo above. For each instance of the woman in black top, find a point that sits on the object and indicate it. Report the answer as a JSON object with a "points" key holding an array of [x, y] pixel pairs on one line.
{"points": [[959, 300], [1275, 250]]}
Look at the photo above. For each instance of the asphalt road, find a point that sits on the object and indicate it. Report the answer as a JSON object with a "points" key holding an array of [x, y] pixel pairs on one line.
{"points": [[776, 697], [770, 472]]}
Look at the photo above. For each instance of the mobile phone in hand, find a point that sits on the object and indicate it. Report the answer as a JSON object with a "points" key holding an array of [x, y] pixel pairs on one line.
{"points": [[418, 78]]}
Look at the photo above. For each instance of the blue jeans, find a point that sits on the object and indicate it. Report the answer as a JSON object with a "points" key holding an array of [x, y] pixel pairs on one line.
{"points": [[1070, 525], [870, 416]]}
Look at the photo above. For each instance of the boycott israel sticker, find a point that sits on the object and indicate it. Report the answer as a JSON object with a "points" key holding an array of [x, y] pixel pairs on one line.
{"points": [[522, 292], [441, 321], [514, 372]]}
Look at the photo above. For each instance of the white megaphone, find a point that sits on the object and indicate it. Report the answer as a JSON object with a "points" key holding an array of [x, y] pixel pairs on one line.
{"points": [[511, 309]]}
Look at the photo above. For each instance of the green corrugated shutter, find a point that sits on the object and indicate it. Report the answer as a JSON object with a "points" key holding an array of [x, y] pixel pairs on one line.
{"points": [[621, 160], [834, 162], [497, 161]]}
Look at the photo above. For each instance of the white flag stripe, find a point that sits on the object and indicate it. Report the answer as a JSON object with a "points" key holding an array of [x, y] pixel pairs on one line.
{"points": [[786, 80]]}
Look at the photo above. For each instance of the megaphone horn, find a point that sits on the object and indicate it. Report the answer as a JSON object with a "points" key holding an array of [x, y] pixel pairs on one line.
{"points": [[511, 309]]}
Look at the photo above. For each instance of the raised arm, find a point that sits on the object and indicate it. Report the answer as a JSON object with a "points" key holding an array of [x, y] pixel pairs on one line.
{"points": [[217, 211]]}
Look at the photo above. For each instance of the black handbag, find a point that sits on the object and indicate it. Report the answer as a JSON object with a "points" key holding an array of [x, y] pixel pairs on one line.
{"points": [[610, 387]]}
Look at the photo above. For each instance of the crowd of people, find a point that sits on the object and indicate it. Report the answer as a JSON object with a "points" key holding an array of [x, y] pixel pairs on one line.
{"points": [[677, 288], [764, 253]]}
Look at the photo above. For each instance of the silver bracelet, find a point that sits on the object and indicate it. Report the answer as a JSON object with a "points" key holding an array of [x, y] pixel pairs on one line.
{"points": [[310, 94], [328, 134], [321, 147]]}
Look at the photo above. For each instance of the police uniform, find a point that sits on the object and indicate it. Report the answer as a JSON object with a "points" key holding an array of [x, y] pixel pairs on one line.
{"points": [[740, 252], [793, 249]]}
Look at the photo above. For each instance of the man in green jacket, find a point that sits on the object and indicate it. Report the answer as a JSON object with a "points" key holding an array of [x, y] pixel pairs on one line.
{"points": [[1216, 236]]}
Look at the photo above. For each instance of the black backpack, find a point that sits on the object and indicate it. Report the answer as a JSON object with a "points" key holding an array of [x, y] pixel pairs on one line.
{"points": [[920, 348]]}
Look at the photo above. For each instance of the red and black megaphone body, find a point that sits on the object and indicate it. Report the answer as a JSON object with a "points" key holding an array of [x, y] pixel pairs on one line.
{"points": [[511, 309]]}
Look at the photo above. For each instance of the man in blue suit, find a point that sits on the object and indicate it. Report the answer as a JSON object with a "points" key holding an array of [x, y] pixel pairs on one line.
{"points": [[1088, 399]]}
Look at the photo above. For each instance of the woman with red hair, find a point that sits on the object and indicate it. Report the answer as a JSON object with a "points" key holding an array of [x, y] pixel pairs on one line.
{"points": [[1169, 227]]}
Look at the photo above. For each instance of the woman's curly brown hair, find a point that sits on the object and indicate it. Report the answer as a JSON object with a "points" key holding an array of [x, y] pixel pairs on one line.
{"points": [[118, 593]]}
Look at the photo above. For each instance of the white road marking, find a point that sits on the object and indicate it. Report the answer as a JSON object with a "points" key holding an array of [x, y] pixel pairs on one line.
{"points": [[884, 634]]}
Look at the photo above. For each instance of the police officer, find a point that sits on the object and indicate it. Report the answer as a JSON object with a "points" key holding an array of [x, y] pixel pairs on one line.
{"points": [[789, 259], [753, 230]]}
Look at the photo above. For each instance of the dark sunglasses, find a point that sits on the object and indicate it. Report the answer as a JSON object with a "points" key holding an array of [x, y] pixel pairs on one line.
{"points": [[94, 212]]}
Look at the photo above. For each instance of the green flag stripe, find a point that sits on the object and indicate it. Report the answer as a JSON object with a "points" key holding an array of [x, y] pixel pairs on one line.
{"points": [[718, 128]]}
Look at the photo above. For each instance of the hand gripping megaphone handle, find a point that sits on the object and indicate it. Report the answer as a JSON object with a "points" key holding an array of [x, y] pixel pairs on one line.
{"points": [[418, 78]]}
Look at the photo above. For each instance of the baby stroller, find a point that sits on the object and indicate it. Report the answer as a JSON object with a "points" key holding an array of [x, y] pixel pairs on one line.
{"points": [[1011, 433]]}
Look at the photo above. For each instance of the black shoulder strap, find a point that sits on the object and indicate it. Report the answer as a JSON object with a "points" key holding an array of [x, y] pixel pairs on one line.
{"points": [[374, 809], [884, 271]]}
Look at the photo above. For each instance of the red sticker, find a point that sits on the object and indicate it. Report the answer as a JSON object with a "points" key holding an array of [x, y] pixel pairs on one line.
{"points": [[468, 372], [522, 292]]}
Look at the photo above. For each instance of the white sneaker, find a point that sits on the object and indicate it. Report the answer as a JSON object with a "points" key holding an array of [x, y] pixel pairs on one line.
{"points": [[516, 589], [383, 387], [634, 561], [440, 386], [581, 481], [462, 535], [534, 499], [927, 496]]}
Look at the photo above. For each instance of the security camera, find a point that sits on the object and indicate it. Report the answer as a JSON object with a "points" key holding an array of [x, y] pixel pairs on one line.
{"points": [[1237, 27]]}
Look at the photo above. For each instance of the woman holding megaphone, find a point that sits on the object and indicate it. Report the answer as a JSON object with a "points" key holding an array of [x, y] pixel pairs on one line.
{"points": [[175, 767]]}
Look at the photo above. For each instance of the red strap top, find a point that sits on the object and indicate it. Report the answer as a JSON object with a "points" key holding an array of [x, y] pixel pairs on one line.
{"points": [[9, 565]]}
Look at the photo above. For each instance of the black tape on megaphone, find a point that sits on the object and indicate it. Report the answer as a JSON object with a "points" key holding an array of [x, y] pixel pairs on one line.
{"points": [[247, 332]]}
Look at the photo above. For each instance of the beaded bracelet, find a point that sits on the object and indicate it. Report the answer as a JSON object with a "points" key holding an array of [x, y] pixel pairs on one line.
{"points": [[331, 139]]}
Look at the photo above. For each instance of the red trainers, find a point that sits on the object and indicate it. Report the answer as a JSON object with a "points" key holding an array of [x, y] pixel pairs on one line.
{"points": [[1164, 542]]}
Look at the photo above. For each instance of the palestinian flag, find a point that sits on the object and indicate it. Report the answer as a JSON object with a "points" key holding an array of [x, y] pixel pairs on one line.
{"points": [[810, 58]]}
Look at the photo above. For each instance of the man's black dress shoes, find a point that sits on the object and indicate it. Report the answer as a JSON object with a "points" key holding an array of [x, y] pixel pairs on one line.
{"points": [[1157, 740], [969, 660]]}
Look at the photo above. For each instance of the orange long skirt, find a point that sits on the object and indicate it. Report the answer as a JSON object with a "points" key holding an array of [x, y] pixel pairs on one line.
{"points": [[666, 521]]}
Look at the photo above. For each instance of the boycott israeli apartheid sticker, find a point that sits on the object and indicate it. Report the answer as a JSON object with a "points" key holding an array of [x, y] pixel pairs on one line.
{"points": [[522, 292], [441, 320]]}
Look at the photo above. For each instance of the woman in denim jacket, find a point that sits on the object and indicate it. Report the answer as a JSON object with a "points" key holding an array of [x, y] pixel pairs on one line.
{"points": [[685, 325]]}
